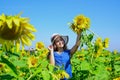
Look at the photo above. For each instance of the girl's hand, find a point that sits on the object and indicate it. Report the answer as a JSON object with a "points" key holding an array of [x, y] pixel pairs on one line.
{"points": [[50, 47]]}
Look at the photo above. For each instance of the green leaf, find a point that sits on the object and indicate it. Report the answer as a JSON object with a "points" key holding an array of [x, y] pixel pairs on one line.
{"points": [[117, 63], [85, 65], [46, 75], [117, 67], [9, 64], [20, 63], [51, 67], [6, 77], [90, 37]]}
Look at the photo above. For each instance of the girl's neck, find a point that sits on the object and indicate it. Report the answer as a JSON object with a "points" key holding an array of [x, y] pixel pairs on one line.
{"points": [[60, 50]]}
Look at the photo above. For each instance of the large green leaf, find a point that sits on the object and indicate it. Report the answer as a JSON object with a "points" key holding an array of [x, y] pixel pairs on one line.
{"points": [[45, 75], [85, 65], [9, 64], [6, 77], [20, 63]]}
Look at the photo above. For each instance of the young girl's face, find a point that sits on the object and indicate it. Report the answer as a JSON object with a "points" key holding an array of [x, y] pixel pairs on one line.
{"points": [[59, 42]]}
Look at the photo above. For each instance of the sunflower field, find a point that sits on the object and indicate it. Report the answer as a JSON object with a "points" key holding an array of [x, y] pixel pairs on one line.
{"points": [[92, 61]]}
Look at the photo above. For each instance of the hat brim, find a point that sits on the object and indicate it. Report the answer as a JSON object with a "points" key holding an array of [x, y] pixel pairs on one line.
{"points": [[65, 38]]}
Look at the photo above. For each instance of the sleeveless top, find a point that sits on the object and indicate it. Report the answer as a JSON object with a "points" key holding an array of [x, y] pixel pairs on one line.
{"points": [[62, 60]]}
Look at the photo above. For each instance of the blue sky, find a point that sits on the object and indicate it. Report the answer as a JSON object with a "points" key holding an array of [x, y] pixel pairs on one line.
{"points": [[53, 16]]}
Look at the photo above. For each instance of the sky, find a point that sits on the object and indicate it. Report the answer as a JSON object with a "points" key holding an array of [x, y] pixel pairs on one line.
{"points": [[53, 16]]}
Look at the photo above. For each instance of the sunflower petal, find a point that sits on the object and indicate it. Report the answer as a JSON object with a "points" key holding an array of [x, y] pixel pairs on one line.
{"points": [[30, 27], [1, 23], [3, 17], [16, 21], [9, 23], [26, 40], [31, 36], [24, 20], [18, 45]]}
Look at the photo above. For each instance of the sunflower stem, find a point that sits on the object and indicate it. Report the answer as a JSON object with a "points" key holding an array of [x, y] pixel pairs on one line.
{"points": [[30, 77], [93, 33]]}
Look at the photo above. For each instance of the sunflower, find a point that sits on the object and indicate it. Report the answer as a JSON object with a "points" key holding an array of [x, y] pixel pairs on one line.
{"points": [[15, 30], [2, 65], [79, 23], [99, 43], [40, 45], [61, 75], [118, 78], [106, 42], [42, 51], [115, 51], [32, 61]]}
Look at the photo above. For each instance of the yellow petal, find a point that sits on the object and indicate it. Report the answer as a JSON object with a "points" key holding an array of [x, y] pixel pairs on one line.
{"points": [[1, 23], [17, 45], [31, 36], [26, 40], [3, 17], [24, 20], [29, 27], [16, 21], [9, 23]]}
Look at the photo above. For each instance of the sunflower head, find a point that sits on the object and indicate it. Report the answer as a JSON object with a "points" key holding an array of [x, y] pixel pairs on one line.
{"points": [[80, 22], [39, 45], [106, 42], [32, 61], [16, 30]]}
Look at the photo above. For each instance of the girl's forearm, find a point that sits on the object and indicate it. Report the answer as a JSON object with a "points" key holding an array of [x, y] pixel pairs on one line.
{"points": [[51, 58], [78, 40], [75, 47]]}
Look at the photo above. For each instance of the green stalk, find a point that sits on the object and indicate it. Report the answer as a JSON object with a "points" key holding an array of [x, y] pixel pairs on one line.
{"points": [[93, 32]]}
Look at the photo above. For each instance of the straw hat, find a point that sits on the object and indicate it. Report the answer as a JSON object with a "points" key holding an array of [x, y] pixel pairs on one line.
{"points": [[56, 35]]}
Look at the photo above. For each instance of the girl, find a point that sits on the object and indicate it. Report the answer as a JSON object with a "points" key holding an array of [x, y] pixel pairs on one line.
{"points": [[59, 54]]}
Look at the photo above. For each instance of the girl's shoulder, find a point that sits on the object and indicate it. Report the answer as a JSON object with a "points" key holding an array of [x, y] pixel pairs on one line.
{"points": [[67, 50]]}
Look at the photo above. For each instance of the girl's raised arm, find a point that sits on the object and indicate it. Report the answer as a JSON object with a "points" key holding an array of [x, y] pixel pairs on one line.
{"points": [[75, 47]]}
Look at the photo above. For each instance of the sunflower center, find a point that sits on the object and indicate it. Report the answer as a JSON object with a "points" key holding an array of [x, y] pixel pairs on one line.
{"points": [[9, 34]]}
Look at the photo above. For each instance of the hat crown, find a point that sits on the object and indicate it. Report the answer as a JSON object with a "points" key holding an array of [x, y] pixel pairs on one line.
{"points": [[54, 34]]}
